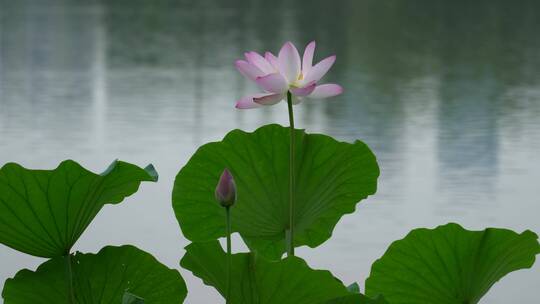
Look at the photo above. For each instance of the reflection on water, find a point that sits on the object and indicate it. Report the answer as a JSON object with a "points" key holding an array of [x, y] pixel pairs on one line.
{"points": [[447, 94]]}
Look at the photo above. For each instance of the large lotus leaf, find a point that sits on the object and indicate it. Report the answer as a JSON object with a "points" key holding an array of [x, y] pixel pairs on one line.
{"points": [[43, 212], [255, 280], [331, 178], [356, 299], [449, 265], [98, 278], [129, 298]]}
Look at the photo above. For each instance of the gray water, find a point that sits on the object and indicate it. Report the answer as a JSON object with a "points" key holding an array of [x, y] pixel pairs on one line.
{"points": [[446, 93]]}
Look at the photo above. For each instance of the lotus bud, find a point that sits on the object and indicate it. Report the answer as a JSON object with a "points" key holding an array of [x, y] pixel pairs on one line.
{"points": [[226, 189]]}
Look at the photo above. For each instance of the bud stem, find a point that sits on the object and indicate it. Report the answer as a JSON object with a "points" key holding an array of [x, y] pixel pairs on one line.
{"points": [[229, 254], [69, 274], [290, 245]]}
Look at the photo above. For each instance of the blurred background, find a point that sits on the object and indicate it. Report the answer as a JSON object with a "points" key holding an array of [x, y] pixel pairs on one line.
{"points": [[446, 93]]}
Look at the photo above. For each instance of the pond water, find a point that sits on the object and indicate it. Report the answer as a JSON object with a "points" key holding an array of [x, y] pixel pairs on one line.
{"points": [[446, 93]]}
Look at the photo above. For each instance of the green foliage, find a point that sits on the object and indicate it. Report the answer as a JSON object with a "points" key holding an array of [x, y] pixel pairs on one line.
{"points": [[356, 299], [98, 278], [331, 177], [256, 280], [44, 212], [354, 288], [449, 265], [129, 298]]}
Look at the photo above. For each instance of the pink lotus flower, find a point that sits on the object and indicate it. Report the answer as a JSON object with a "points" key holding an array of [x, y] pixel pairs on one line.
{"points": [[277, 75]]}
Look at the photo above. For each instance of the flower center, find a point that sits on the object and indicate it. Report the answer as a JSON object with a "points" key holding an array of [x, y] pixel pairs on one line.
{"points": [[296, 83]]}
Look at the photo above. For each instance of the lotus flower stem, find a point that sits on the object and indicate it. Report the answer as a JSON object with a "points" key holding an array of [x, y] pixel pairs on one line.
{"points": [[290, 246], [287, 74], [69, 273], [229, 253]]}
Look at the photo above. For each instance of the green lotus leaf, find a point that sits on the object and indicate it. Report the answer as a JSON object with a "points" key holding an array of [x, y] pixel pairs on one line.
{"points": [[98, 278], [354, 288], [44, 212], [357, 299], [331, 178], [255, 280], [129, 298], [449, 265]]}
